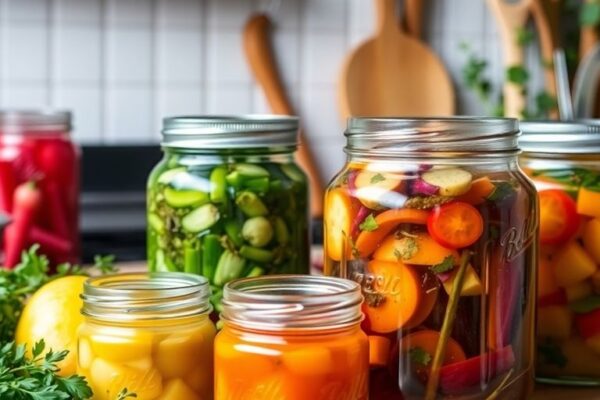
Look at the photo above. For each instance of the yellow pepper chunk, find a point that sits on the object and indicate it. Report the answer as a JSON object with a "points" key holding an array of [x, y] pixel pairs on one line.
{"points": [[554, 322], [588, 203], [572, 264], [177, 354], [471, 285], [176, 389], [591, 238], [107, 379], [132, 345]]}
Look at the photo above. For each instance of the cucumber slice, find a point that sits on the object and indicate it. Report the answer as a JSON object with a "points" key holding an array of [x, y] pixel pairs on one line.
{"points": [[184, 198], [156, 223], [200, 218], [166, 177], [251, 171], [293, 172]]}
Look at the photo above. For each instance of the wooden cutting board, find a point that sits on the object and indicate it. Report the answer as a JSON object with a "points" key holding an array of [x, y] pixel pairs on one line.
{"points": [[392, 74]]}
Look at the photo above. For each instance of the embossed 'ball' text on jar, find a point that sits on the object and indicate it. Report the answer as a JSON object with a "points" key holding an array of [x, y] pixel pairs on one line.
{"points": [[435, 220], [563, 159], [291, 337]]}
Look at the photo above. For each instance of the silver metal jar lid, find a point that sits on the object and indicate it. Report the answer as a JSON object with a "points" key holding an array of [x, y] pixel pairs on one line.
{"points": [[562, 137], [39, 119], [230, 132], [431, 137]]}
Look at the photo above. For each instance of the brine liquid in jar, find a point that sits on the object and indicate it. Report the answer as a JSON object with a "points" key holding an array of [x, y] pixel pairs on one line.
{"points": [[291, 337], [148, 333], [567, 176], [441, 236]]}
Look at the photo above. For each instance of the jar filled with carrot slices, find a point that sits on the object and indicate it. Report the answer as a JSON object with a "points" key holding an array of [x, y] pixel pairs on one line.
{"points": [[437, 223], [292, 337], [39, 185], [563, 159], [150, 334]]}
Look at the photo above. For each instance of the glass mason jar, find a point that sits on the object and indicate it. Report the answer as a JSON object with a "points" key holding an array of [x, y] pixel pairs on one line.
{"points": [[563, 159], [39, 184], [435, 220], [149, 333], [228, 200], [291, 337]]}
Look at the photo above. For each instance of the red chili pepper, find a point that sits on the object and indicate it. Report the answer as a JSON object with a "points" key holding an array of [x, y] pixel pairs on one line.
{"points": [[27, 200], [49, 241]]}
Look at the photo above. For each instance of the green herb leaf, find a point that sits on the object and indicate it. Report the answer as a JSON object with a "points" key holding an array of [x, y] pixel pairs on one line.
{"points": [[590, 14], [407, 248], [444, 266], [524, 36], [586, 305], [545, 103], [517, 74], [575, 177], [419, 356], [126, 394], [551, 353], [377, 178], [502, 190], [369, 224]]}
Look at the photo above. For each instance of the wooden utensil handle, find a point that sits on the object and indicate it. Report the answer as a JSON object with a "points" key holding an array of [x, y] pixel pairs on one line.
{"points": [[413, 15], [386, 16], [547, 45], [511, 19], [257, 46]]}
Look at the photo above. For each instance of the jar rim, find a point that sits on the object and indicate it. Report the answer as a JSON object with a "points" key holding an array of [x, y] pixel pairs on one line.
{"points": [[219, 132], [301, 303], [561, 137], [13, 120], [145, 296], [432, 137]]}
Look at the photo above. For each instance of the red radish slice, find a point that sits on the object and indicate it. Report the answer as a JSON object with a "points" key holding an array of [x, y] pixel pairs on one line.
{"points": [[421, 187]]}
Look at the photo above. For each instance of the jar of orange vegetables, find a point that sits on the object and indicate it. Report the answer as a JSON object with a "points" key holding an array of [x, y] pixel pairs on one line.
{"points": [[437, 223], [148, 333], [291, 337], [563, 158]]}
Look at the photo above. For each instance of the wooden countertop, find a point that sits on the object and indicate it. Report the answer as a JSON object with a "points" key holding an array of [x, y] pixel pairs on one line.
{"points": [[542, 392]]}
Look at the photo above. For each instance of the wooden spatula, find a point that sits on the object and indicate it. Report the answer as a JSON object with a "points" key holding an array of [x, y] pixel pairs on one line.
{"points": [[392, 74], [257, 46], [413, 17], [512, 17]]}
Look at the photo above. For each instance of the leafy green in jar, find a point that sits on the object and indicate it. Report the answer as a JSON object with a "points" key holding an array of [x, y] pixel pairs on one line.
{"points": [[503, 190], [575, 177], [551, 353], [444, 266]]}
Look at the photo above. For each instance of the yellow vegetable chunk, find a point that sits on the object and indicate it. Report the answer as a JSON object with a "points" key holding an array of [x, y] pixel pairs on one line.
{"points": [[572, 264], [578, 291], [309, 361], [546, 281], [176, 389], [591, 238], [471, 285], [141, 363], [179, 353], [418, 250], [107, 379], [594, 344], [554, 322], [85, 355], [122, 346], [580, 361], [588, 203], [200, 379]]}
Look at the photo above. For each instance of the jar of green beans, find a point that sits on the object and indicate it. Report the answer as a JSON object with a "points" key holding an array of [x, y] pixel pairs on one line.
{"points": [[228, 200]]}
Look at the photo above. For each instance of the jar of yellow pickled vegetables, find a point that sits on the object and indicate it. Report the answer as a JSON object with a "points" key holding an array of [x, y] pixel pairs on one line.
{"points": [[147, 333], [291, 337], [435, 220], [563, 159]]}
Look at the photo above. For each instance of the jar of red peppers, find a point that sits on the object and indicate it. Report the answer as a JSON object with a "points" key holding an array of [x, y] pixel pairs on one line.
{"points": [[435, 220], [563, 159], [39, 184]]}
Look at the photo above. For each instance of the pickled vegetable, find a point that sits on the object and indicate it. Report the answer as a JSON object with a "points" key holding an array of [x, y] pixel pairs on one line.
{"points": [[227, 221]]}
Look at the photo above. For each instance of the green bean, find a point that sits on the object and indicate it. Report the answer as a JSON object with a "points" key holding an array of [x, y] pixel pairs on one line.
{"points": [[218, 185], [192, 259], [256, 254], [210, 256]]}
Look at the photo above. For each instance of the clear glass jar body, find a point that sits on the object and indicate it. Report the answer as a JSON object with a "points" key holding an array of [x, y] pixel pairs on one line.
{"points": [[228, 215], [291, 337], [444, 248], [568, 313], [156, 357], [320, 366], [37, 147]]}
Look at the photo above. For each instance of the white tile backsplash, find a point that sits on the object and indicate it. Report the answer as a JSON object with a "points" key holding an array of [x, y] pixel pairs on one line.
{"points": [[122, 65]]}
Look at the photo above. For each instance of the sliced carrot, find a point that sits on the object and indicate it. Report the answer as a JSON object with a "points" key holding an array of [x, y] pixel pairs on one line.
{"points": [[480, 189], [379, 350], [338, 221], [400, 297], [588, 203], [419, 249], [427, 341], [367, 242]]}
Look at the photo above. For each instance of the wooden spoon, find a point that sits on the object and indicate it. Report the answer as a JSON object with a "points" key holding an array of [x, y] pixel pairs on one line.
{"points": [[413, 17], [392, 74], [257, 46], [511, 17]]}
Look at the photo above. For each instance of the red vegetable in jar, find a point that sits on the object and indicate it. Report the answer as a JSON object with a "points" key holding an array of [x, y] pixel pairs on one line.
{"points": [[39, 185]]}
